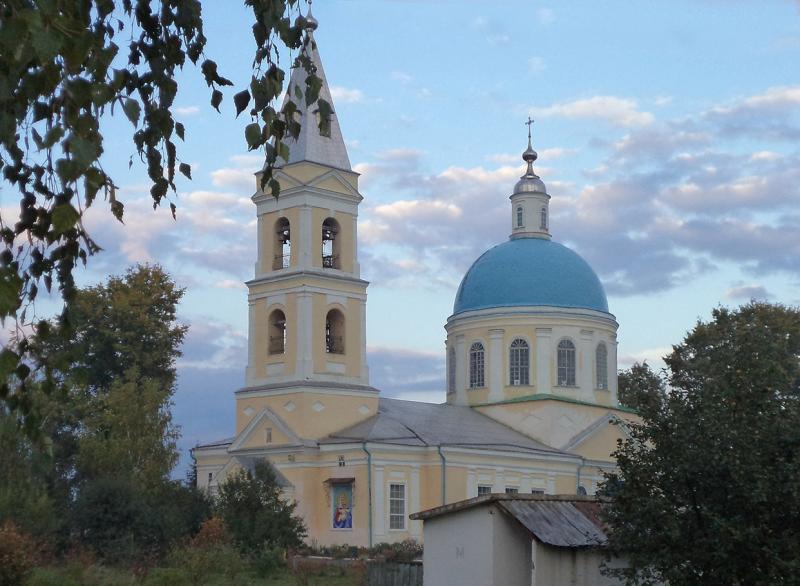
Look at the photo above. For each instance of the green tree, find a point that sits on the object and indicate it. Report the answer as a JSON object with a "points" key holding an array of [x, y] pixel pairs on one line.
{"points": [[250, 503], [707, 489], [633, 380], [65, 66]]}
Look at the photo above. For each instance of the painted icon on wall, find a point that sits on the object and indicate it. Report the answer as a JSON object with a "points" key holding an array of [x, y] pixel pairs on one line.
{"points": [[343, 506]]}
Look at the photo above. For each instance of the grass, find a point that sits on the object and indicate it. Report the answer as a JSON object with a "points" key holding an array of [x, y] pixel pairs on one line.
{"points": [[95, 575]]}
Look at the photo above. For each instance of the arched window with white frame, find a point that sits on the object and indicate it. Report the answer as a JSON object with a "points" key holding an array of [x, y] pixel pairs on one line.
{"points": [[519, 217], [543, 219], [277, 332], [331, 244], [601, 366], [334, 332], [282, 244], [476, 366], [519, 363], [566, 364]]}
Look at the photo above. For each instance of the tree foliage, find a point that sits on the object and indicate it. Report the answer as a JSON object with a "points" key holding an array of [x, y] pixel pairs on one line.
{"points": [[256, 515], [99, 468], [65, 66], [707, 489]]}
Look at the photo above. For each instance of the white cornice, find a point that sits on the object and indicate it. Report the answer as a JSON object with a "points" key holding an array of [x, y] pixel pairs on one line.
{"points": [[516, 312]]}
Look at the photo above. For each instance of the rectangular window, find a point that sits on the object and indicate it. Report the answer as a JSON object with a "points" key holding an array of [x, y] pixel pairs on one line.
{"points": [[537, 491], [341, 462], [512, 490], [397, 506], [484, 489], [210, 476], [269, 435]]}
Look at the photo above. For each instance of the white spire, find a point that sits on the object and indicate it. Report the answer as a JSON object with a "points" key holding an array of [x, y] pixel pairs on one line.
{"points": [[311, 145]]}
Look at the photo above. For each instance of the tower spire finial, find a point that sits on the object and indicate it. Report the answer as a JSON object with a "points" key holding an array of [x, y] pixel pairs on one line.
{"points": [[311, 22], [530, 155]]}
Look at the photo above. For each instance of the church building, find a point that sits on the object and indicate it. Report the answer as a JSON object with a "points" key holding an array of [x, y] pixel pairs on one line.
{"points": [[531, 348]]}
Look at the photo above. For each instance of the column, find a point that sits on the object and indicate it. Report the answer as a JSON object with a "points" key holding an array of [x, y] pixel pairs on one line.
{"points": [[304, 328], [364, 367], [356, 265], [496, 360], [499, 481], [544, 359], [462, 364], [378, 502], [586, 378], [251, 341], [262, 264], [301, 247], [613, 383], [415, 527], [472, 483]]}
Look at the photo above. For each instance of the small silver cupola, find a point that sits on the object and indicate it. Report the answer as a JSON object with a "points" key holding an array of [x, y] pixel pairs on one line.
{"points": [[530, 202]]}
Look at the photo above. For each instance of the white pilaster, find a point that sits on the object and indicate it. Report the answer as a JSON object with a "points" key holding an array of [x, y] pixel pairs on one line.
{"points": [[586, 380], [525, 484], [259, 268], [302, 246], [472, 483], [251, 340], [415, 527], [499, 482], [378, 504], [613, 383], [356, 265], [304, 328], [364, 367], [544, 359], [462, 365], [496, 360]]}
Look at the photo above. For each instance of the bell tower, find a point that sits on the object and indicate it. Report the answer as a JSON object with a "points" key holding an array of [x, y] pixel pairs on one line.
{"points": [[307, 301]]}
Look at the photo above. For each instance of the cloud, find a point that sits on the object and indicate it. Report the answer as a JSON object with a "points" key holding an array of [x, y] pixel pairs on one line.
{"points": [[212, 345], [667, 202], [618, 111], [345, 95], [747, 292], [492, 30], [407, 374], [186, 110], [402, 77], [770, 115]]}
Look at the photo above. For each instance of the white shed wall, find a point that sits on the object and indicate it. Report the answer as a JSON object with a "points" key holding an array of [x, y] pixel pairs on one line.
{"points": [[576, 567]]}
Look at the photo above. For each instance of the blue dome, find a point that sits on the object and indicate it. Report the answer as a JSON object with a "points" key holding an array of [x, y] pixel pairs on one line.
{"points": [[530, 271]]}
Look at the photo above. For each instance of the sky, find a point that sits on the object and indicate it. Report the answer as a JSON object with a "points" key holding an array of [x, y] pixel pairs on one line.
{"points": [[667, 135]]}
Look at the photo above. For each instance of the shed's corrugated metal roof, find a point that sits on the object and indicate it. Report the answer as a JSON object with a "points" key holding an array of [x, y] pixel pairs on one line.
{"points": [[413, 423], [554, 520], [557, 523]]}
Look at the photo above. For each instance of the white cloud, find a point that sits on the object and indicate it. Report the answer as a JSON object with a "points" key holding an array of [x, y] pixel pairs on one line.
{"points": [[345, 95], [230, 284], [186, 110], [618, 111], [747, 292], [402, 77]]}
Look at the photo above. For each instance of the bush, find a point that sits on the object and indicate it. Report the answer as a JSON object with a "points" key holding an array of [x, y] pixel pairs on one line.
{"points": [[212, 532], [16, 555], [266, 561], [199, 563]]}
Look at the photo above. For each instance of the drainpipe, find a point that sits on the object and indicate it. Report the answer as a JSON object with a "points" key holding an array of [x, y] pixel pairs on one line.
{"points": [[578, 474], [444, 475], [369, 490]]}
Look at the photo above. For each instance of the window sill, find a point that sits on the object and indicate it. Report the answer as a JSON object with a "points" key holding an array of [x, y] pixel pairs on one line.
{"points": [[602, 390], [568, 386], [476, 388]]}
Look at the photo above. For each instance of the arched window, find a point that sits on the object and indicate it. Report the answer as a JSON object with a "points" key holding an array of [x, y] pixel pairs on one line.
{"points": [[566, 364], [330, 244], [283, 244], [476, 363], [519, 216], [334, 332], [277, 332], [601, 365], [519, 363], [543, 219], [451, 370]]}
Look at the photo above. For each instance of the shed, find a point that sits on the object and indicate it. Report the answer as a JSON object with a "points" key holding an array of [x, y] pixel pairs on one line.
{"points": [[515, 540]]}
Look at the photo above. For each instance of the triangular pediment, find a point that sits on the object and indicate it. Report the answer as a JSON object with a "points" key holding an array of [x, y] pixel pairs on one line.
{"points": [[599, 440], [254, 435], [333, 181]]}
